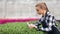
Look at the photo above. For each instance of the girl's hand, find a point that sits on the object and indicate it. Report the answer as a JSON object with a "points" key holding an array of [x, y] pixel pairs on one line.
{"points": [[31, 26]]}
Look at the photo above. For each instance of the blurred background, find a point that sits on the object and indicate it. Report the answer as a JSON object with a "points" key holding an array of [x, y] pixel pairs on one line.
{"points": [[26, 8]]}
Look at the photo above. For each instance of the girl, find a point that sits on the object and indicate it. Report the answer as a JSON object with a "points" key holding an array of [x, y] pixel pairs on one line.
{"points": [[47, 20]]}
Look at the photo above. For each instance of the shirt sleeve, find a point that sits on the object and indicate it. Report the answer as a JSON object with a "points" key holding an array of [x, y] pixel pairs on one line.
{"points": [[38, 23]]}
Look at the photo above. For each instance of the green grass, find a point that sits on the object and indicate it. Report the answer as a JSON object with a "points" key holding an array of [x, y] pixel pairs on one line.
{"points": [[17, 28]]}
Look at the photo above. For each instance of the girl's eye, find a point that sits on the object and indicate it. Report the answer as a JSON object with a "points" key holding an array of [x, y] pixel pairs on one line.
{"points": [[37, 10]]}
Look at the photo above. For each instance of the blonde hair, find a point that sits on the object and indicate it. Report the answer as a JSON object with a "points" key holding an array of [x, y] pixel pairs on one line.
{"points": [[42, 6]]}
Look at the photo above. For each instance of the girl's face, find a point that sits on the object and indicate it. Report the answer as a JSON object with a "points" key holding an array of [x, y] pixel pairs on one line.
{"points": [[39, 10]]}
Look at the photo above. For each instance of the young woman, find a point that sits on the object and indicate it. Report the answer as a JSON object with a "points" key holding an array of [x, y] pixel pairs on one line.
{"points": [[47, 20]]}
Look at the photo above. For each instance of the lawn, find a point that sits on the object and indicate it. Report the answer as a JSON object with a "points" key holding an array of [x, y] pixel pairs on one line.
{"points": [[17, 28]]}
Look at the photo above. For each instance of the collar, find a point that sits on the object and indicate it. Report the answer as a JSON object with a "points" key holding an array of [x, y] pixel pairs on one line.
{"points": [[46, 14]]}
